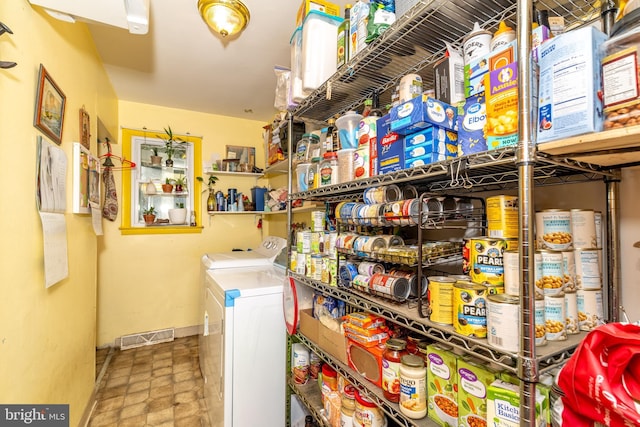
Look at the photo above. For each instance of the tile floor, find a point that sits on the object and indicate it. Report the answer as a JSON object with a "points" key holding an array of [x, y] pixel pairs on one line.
{"points": [[157, 385]]}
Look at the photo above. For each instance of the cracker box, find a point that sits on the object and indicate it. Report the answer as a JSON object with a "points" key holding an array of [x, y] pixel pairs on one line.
{"points": [[472, 116], [501, 97], [422, 112], [475, 71], [390, 155], [318, 5], [474, 380], [442, 385], [570, 84], [503, 405]]}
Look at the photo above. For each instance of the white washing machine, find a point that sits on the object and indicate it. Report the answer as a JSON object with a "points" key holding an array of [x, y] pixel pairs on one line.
{"points": [[243, 342]]}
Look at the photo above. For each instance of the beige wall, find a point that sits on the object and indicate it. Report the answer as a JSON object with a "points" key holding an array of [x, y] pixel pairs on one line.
{"points": [[149, 282], [47, 336]]}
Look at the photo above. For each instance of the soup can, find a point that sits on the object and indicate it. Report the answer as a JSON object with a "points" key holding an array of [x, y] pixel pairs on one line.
{"points": [[382, 194], [361, 283], [541, 330], [555, 317], [369, 268], [511, 261], [347, 272], [388, 286], [440, 297], [569, 264], [590, 309], [413, 281], [470, 309], [571, 311], [597, 216], [503, 322], [486, 260], [553, 229], [317, 220], [552, 268], [583, 228], [588, 269]]}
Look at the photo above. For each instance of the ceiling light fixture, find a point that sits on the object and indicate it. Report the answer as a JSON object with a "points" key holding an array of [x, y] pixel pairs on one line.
{"points": [[226, 17]]}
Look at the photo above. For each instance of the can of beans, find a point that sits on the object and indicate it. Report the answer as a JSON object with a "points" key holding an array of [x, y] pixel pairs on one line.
{"points": [[369, 268], [588, 269], [555, 317], [486, 260], [511, 261], [590, 309], [569, 264], [469, 309], [388, 286], [553, 229], [541, 330], [552, 269], [583, 228], [440, 298], [571, 311], [503, 322]]}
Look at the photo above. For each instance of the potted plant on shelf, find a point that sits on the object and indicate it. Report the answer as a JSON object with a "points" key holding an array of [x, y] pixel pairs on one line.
{"points": [[180, 183], [167, 187], [155, 158], [178, 215], [169, 139], [211, 200], [149, 215]]}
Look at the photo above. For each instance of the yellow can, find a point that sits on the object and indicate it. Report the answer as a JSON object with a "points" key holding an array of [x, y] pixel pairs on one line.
{"points": [[470, 305], [502, 216], [486, 260], [440, 297]]}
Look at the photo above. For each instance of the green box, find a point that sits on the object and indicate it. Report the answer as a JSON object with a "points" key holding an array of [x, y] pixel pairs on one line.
{"points": [[474, 379], [503, 405], [442, 383]]}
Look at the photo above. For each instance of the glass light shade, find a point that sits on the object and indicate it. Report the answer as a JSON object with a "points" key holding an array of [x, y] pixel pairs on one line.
{"points": [[226, 17]]}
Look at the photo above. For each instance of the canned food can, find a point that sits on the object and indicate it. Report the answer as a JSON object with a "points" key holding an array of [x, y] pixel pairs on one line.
{"points": [[598, 221], [369, 268], [541, 330], [502, 216], [306, 242], [299, 241], [317, 244], [330, 238], [316, 267], [590, 309], [440, 298], [409, 192], [434, 210], [293, 260], [307, 265], [571, 311], [555, 317], [460, 277], [413, 211], [503, 322], [347, 272], [382, 194], [301, 264], [583, 228], [361, 282], [469, 305], [569, 264], [386, 285], [553, 229], [317, 221], [588, 269], [486, 260], [552, 268], [537, 271], [413, 281], [511, 261], [332, 271]]}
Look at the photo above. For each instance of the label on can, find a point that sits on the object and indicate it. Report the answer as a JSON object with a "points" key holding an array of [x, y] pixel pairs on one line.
{"points": [[386, 285], [301, 264], [569, 264], [598, 220], [502, 216], [316, 267], [369, 268], [583, 228], [485, 255], [361, 282], [552, 268], [511, 261], [588, 269], [440, 298], [590, 309], [413, 281], [571, 311], [306, 242], [503, 322], [317, 221], [541, 330], [553, 229], [555, 317], [470, 316]]}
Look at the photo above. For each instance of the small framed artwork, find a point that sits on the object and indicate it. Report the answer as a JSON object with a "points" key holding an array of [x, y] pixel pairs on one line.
{"points": [[85, 129], [86, 179], [50, 103], [243, 157]]}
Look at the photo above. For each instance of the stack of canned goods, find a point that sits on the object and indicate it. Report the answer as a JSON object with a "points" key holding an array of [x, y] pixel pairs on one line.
{"points": [[373, 278], [315, 252]]}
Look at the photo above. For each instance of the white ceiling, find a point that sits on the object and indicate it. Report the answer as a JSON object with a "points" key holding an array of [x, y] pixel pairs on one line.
{"points": [[182, 64]]}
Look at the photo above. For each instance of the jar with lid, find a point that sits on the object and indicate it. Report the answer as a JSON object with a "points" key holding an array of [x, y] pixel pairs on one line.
{"points": [[330, 134], [302, 149], [329, 169], [315, 149], [395, 348], [348, 406], [313, 174], [422, 351], [367, 413], [413, 387], [412, 343]]}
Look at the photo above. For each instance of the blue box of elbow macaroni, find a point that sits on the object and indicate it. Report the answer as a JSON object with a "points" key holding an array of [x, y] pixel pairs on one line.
{"points": [[420, 113], [472, 116], [432, 140], [390, 147]]}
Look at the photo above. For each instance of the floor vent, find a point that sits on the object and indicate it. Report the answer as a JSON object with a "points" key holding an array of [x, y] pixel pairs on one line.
{"points": [[147, 338]]}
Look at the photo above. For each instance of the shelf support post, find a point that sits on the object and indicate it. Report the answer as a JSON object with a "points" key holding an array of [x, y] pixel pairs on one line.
{"points": [[613, 248]]}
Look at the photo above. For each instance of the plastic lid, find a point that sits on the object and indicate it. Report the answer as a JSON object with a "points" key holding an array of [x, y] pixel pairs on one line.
{"points": [[396, 344], [330, 155], [328, 371], [412, 360], [476, 31], [349, 391], [314, 136], [364, 401], [502, 28]]}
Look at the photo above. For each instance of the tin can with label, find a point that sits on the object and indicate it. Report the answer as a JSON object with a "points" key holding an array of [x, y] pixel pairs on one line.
{"points": [[361, 283], [569, 264], [382, 194], [486, 260], [503, 322], [317, 242], [409, 192], [541, 330], [307, 265], [306, 242], [555, 317], [553, 229], [469, 309], [511, 261], [332, 267], [293, 260], [583, 228], [552, 266], [590, 309], [388, 286], [330, 238], [588, 269], [347, 272], [301, 264], [597, 216], [317, 221], [502, 216], [369, 268], [440, 298], [413, 281], [316, 267], [571, 311]]}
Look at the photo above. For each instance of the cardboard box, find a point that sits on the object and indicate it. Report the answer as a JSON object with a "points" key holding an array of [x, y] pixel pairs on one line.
{"points": [[319, 5], [390, 147], [501, 98], [330, 341], [474, 378], [422, 112], [367, 361], [434, 139], [503, 405], [570, 84], [472, 116], [442, 380], [449, 78]]}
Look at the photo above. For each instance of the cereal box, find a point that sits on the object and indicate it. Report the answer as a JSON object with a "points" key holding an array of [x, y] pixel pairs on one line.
{"points": [[473, 381], [501, 129], [442, 384], [503, 405], [570, 86], [422, 112], [472, 117]]}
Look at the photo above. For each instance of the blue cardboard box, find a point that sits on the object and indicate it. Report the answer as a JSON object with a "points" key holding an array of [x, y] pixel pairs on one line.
{"points": [[434, 139], [424, 160], [390, 147], [472, 117], [422, 112]]}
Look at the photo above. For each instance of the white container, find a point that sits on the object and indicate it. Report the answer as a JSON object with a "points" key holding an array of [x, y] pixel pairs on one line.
{"points": [[476, 44], [413, 387], [345, 164], [347, 125], [300, 365], [410, 87], [319, 49], [297, 93]]}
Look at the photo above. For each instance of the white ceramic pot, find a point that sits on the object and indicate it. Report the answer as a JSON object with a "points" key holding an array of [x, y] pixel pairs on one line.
{"points": [[178, 216]]}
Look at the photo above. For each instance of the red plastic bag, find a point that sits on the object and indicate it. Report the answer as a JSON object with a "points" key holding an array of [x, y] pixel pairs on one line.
{"points": [[601, 381]]}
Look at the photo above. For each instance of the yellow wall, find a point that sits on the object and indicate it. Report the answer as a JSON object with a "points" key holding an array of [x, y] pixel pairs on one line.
{"points": [[149, 282], [47, 336]]}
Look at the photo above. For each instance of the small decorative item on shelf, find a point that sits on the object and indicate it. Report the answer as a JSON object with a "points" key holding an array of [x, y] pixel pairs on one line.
{"points": [[155, 158], [178, 215], [167, 187], [180, 183], [149, 215], [149, 188], [211, 200]]}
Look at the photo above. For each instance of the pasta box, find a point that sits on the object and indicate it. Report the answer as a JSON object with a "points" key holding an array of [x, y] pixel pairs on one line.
{"points": [[390, 156], [501, 97], [472, 116], [422, 112]]}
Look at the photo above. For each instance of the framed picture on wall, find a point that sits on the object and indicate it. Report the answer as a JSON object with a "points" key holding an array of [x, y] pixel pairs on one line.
{"points": [[86, 179], [50, 103], [85, 128]]}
